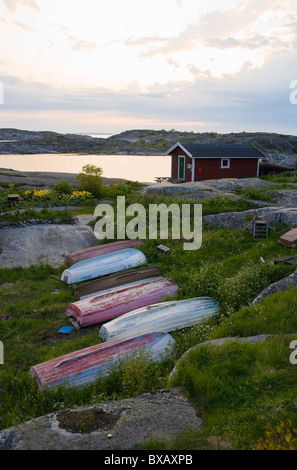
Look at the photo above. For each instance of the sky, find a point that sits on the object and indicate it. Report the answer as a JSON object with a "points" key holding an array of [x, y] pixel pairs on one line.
{"points": [[93, 66]]}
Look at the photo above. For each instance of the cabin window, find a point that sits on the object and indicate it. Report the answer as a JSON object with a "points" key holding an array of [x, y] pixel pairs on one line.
{"points": [[225, 163]]}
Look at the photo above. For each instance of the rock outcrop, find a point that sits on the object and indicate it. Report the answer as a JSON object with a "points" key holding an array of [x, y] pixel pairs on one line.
{"points": [[121, 424], [282, 285], [239, 220], [32, 245]]}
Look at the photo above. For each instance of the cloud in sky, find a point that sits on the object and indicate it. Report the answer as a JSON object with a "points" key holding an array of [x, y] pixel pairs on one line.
{"points": [[222, 66], [254, 99], [26, 27], [13, 5]]}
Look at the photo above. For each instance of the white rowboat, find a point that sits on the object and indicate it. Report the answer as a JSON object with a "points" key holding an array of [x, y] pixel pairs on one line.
{"points": [[165, 317]]}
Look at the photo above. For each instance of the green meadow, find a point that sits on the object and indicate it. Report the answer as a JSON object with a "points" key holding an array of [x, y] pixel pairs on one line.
{"points": [[240, 390]]}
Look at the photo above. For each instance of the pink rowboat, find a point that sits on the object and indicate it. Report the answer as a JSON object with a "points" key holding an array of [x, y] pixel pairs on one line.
{"points": [[100, 250], [109, 305], [83, 367]]}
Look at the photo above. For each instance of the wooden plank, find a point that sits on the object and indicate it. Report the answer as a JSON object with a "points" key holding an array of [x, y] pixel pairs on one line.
{"points": [[109, 305], [289, 239], [163, 248], [13, 198], [287, 260]]}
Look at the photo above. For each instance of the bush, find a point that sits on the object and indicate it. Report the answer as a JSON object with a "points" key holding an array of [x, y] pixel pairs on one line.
{"points": [[117, 188], [81, 195], [63, 187], [90, 180], [39, 195], [282, 437]]}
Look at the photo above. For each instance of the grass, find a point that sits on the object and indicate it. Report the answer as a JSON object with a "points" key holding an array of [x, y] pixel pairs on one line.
{"points": [[255, 194], [43, 214], [274, 314], [238, 389], [213, 205], [285, 177]]}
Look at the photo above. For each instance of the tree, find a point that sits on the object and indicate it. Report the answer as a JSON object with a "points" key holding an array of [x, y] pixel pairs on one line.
{"points": [[90, 180]]}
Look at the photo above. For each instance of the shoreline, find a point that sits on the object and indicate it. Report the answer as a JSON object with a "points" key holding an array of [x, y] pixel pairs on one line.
{"points": [[45, 179], [115, 167], [24, 179]]}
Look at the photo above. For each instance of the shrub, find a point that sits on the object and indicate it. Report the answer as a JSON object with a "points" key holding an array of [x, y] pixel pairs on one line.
{"points": [[118, 188], [90, 180], [41, 194], [81, 195], [63, 187], [282, 437]]}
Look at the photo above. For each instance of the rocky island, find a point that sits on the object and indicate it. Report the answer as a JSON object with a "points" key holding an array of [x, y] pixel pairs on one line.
{"points": [[279, 148]]}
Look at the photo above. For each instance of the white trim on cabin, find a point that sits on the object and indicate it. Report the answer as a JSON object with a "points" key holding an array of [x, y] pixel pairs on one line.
{"points": [[258, 168], [193, 170], [225, 167], [181, 156], [182, 147]]}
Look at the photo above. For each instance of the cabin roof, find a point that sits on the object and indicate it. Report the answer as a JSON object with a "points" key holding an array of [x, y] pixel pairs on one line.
{"points": [[218, 150]]}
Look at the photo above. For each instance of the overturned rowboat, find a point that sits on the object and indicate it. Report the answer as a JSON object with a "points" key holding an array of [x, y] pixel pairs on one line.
{"points": [[166, 317], [87, 365], [116, 302], [103, 265], [113, 281], [100, 250]]}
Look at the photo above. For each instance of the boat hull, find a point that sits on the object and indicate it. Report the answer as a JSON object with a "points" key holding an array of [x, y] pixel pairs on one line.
{"points": [[100, 250], [117, 280], [104, 265], [107, 306], [166, 317], [87, 365]]}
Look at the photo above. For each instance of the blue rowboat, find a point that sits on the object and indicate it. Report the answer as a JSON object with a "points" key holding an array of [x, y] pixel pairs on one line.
{"points": [[83, 367], [104, 265], [166, 317]]}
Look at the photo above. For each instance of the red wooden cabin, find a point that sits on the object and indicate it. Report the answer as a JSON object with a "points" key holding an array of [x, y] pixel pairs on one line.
{"points": [[198, 162]]}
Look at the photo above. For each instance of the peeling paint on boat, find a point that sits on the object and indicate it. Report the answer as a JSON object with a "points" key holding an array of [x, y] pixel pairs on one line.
{"points": [[83, 367], [117, 280], [104, 265], [100, 250], [166, 317], [109, 305], [115, 288]]}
